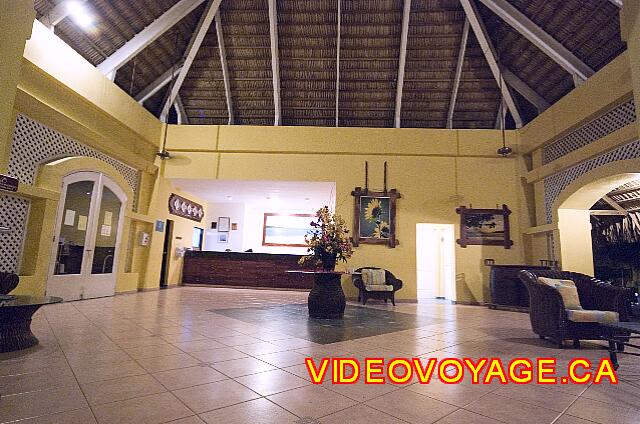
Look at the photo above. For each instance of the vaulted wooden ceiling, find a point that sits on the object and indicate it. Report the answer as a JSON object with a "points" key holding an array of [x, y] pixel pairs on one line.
{"points": [[231, 78]]}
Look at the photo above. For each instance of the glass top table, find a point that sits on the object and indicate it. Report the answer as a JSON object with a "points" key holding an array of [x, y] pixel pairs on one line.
{"points": [[15, 315]]}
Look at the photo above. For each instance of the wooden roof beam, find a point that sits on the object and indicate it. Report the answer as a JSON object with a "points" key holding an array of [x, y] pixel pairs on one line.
{"points": [[614, 204], [157, 84], [275, 62], [606, 213], [456, 81], [540, 38], [58, 13], [525, 90], [145, 37], [475, 20], [617, 3], [183, 118], [192, 50], [338, 63], [401, 63], [225, 68]]}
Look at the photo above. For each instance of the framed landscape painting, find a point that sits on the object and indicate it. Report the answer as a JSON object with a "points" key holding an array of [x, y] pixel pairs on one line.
{"points": [[375, 217], [484, 227], [286, 229]]}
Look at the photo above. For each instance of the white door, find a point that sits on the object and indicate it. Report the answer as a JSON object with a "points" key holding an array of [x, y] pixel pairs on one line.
{"points": [[86, 245], [435, 261]]}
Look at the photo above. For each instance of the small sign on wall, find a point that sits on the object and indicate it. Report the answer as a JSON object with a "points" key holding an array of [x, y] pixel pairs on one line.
{"points": [[159, 226], [8, 183]]}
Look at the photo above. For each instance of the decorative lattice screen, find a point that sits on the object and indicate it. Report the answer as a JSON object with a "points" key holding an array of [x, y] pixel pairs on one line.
{"points": [[611, 121], [14, 213]]}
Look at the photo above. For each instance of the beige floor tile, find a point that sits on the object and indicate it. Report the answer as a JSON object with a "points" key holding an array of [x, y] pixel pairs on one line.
{"points": [[604, 413], [465, 417], [511, 411], [187, 377], [360, 414], [121, 389], [183, 337], [78, 416], [90, 359], [189, 420], [164, 363], [141, 341], [568, 419], [198, 345], [311, 401], [537, 395], [283, 359], [216, 395], [34, 404], [621, 394], [152, 351], [39, 380], [108, 371], [271, 382], [153, 409], [237, 340], [243, 366], [360, 391], [218, 355], [258, 411], [456, 394], [411, 407], [261, 348]]}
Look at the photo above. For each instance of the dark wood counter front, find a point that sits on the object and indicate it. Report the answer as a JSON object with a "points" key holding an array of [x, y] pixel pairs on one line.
{"points": [[244, 270]]}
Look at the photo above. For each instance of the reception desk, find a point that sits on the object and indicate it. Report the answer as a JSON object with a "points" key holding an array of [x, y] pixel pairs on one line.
{"points": [[260, 270]]}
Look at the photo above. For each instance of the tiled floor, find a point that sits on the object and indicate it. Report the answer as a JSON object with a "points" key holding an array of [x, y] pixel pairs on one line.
{"points": [[164, 357]]}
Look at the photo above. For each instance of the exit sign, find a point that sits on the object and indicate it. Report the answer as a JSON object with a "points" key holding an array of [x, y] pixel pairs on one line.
{"points": [[8, 183]]}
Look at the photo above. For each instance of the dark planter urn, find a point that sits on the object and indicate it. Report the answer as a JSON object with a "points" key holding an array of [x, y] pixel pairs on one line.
{"points": [[329, 262], [326, 299]]}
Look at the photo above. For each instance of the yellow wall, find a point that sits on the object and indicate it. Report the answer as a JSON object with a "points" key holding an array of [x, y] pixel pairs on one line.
{"points": [[434, 170]]}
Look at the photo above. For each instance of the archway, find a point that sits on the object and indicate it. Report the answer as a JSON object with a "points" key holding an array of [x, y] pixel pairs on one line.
{"points": [[571, 212]]}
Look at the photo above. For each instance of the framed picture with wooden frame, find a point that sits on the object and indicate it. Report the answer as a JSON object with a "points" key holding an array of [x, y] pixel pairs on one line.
{"points": [[374, 217], [286, 229], [224, 223], [488, 227]]}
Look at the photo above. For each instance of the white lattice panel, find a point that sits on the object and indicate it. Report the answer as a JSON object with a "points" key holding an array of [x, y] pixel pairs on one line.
{"points": [[35, 144], [554, 184], [611, 121], [13, 214]]}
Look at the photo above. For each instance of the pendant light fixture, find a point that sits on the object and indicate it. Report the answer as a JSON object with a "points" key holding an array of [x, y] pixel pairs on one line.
{"points": [[163, 153], [505, 150]]}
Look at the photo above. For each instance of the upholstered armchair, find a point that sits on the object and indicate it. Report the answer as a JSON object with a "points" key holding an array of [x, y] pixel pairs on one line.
{"points": [[550, 318], [384, 291]]}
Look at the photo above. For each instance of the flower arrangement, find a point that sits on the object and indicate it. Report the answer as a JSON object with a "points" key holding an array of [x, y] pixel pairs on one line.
{"points": [[328, 241]]}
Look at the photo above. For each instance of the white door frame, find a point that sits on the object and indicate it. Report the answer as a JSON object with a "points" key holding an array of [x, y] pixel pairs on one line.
{"points": [[86, 285], [446, 272]]}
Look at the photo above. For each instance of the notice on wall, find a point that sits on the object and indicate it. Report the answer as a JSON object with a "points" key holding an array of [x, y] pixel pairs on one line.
{"points": [[105, 230], [69, 217], [82, 223], [108, 217]]}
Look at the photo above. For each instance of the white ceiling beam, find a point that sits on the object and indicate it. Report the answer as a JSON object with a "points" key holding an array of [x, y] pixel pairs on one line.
{"points": [[617, 3], [145, 37], [275, 62], [183, 118], [525, 90], [540, 38], [157, 84], [192, 50], [456, 80], [490, 55], [58, 13], [605, 213], [225, 68], [338, 63], [406, 14], [614, 204]]}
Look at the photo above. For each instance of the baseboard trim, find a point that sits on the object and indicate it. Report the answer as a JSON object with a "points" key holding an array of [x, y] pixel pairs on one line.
{"points": [[355, 299], [468, 303], [222, 286]]}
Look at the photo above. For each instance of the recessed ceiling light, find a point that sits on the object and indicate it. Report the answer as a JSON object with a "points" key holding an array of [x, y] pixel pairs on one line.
{"points": [[268, 197], [307, 198], [228, 197], [79, 13]]}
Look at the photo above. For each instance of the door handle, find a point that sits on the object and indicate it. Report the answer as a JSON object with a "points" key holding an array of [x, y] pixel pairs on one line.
{"points": [[88, 250]]}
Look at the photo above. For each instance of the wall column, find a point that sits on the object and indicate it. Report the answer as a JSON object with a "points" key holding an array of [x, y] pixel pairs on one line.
{"points": [[630, 27], [16, 21]]}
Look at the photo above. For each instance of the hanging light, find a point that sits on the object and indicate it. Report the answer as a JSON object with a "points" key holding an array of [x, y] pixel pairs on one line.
{"points": [[505, 150]]}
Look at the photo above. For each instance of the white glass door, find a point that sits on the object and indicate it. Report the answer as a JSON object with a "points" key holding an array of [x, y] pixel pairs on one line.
{"points": [[85, 249]]}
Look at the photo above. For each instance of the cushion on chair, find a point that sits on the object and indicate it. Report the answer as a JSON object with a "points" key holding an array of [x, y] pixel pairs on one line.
{"points": [[601, 317], [374, 277], [378, 287], [567, 290]]}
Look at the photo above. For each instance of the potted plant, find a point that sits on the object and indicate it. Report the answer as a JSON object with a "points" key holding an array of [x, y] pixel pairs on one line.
{"points": [[328, 242]]}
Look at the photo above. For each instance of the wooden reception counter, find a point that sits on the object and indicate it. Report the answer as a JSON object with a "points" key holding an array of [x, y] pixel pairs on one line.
{"points": [[261, 270]]}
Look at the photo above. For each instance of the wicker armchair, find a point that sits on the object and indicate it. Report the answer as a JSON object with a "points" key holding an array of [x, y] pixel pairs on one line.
{"points": [[549, 316], [364, 294], [8, 282]]}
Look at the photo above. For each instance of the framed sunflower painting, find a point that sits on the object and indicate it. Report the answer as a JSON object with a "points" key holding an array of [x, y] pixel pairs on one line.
{"points": [[375, 217]]}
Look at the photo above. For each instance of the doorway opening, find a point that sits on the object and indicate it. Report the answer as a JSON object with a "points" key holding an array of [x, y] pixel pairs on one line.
{"points": [[166, 254], [197, 238], [435, 261], [88, 228]]}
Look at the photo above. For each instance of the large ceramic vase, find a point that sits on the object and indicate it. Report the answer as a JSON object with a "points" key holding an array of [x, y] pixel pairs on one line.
{"points": [[326, 299]]}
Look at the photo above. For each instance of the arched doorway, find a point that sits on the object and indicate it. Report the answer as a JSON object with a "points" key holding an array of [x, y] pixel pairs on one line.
{"points": [[87, 238], [573, 211]]}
